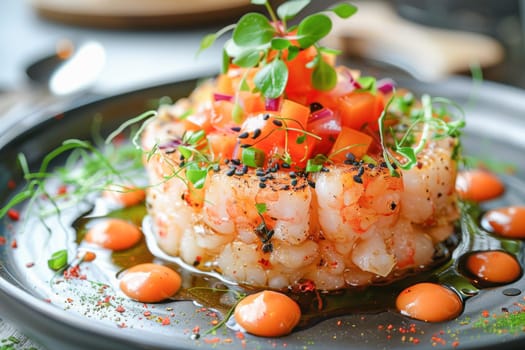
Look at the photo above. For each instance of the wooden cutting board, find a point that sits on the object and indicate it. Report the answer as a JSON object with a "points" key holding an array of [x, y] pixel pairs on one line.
{"points": [[377, 32], [140, 13]]}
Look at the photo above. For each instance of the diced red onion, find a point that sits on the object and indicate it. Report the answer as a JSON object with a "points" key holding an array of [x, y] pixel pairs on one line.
{"points": [[222, 97], [272, 104], [321, 114], [345, 82], [386, 85], [324, 122]]}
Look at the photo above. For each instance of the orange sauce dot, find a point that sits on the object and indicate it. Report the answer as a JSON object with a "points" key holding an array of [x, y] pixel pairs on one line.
{"points": [[267, 314], [114, 234], [478, 185], [493, 266], [507, 222], [429, 302], [127, 196], [149, 283]]}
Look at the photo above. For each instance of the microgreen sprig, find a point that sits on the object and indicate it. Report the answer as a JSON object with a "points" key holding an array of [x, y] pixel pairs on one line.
{"points": [[267, 43], [426, 123]]}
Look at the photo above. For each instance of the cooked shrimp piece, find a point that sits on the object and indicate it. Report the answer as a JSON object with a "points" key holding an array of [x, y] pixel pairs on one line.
{"points": [[371, 255], [242, 262], [349, 204], [429, 187]]}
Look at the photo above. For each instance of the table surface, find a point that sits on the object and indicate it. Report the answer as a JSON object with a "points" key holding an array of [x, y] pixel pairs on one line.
{"points": [[134, 59]]}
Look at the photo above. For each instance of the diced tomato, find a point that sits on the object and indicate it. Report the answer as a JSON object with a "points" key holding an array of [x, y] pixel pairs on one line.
{"points": [[251, 103], [295, 114], [198, 121], [225, 85], [360, 108], [270, 133], [221, 114], [222, 144], [299, 75], [350, 141], [327, 128], [299, 151]]}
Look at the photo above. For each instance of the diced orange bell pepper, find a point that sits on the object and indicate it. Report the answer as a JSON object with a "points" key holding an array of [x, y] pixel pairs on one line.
{"points": [[360, 108], [350, 141], [222, 144]]}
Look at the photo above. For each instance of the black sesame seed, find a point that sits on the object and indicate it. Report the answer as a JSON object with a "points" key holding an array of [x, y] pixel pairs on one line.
{"points": [[262, 185], [311, 183], [230, 172], [361, 171], [393, 206], [267, 248], [358, 179], [371, 166], [348, 162], [325, 169], [294, 182], [244, 135], [245, 145], [263, 179], [277, 122], [256, 133], [244, 169], [239, 172], [350, 156], [236, 128], [315, 106], [236, 161], [292, 174], [260, 172], [285, 165], [266, 117]]}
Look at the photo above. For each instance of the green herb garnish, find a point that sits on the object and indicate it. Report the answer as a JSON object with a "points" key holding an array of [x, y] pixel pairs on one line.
{"points": [[266, 43], [58, 260]]}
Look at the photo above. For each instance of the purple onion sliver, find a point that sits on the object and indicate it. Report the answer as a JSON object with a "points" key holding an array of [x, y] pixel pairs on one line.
{"points": [[386, 85], [321, 114], [170, 144], [222, 97], [272, 104]]}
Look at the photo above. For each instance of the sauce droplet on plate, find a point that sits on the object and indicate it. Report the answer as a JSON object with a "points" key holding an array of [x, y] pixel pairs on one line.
{"points": [[508, 222], [267, 314], [149, 283], [429, 302], [493, 267], [126, 196], [114, 234], [478, 185]]}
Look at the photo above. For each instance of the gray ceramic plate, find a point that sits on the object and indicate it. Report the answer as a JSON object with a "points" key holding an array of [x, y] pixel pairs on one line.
{"points": [[496, 130]]}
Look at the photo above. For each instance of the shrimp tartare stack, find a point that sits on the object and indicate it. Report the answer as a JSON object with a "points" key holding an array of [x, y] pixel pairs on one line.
{"points": [[344, 185]]}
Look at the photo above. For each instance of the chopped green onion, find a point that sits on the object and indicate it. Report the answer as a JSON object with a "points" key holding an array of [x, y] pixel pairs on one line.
{"points": [[196, 175], [58, 260], [253, 157], [313, 166], [261, 208]]}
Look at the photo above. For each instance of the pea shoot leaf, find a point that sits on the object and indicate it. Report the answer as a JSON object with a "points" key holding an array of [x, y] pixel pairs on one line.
{"points": [[290, 9], [280, 43], [324, 77], [248, 58], [271, 79], [253, 29], [313, 28], [344, 10]]}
